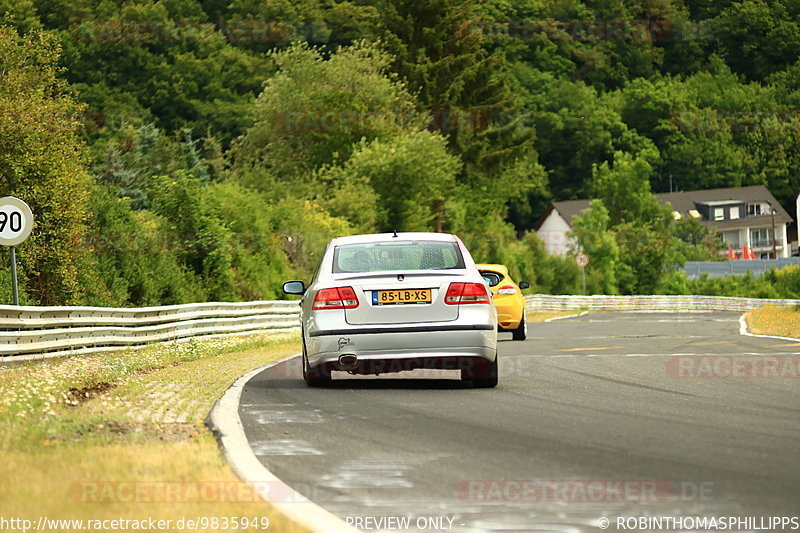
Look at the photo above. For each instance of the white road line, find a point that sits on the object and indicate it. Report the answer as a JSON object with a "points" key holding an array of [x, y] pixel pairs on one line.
{"points": [[706, 354], [283, 447], [568, 316], [653, 336], [225, 421]]}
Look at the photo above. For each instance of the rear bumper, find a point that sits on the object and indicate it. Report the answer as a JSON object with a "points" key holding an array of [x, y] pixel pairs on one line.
{"points": [[509, 314], [512, 325], [394, 330], [472, 366], [384, 349]]}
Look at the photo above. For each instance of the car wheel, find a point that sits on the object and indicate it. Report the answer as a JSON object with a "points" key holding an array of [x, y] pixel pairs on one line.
{"points": [[490, 380], [315, 377], [521, 332]]}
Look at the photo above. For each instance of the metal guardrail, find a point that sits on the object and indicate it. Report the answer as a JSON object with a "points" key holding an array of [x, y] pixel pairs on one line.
{"points": [[53, 331], [71, 330], [716, 269], [676, 303]]}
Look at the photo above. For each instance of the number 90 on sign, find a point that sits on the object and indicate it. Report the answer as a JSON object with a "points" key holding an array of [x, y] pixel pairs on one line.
{"points": [[16, 221]]}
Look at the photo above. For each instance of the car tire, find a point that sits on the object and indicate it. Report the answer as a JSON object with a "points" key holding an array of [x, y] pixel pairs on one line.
{"points": [[315, 377], [521, 333], [488, 381]]}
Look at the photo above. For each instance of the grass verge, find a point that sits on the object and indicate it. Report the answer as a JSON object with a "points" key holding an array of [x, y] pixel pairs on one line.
{"points": [[774, 320], [121, 436]]}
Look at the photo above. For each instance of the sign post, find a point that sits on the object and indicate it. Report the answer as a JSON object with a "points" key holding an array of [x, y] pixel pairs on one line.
{"points": [[582, 260], [16, 224]]}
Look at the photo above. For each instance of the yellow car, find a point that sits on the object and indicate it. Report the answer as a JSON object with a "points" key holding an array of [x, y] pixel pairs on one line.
{"points": [[508, 299]]}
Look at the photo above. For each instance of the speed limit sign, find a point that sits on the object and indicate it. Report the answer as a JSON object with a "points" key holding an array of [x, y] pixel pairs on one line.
{"points": [[16, 221], [16, 224], [582, 260]]}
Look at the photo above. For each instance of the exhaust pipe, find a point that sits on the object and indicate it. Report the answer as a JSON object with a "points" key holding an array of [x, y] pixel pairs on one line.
{"points": [[348, 362]]}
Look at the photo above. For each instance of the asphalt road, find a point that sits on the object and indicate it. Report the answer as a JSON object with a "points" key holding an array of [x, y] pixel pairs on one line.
{"points": [[607, 415]]}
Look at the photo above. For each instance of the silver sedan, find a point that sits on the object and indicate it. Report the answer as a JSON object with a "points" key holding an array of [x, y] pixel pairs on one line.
{"points": [[394, 302]]}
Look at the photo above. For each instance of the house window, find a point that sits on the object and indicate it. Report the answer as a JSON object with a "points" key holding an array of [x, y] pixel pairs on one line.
{"points": [[731, 238], [719, 213], [734, 213], [754, 210], [761, 237]]}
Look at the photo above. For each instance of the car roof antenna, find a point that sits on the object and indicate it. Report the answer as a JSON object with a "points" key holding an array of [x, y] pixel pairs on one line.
{"points": [[395, 234]]}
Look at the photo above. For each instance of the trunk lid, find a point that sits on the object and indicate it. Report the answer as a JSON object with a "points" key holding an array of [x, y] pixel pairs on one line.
{"points": [[410, 285]]}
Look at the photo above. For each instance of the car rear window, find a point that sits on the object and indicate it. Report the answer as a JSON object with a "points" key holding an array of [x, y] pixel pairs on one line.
{"points": [[397, 255], [492, 278]]}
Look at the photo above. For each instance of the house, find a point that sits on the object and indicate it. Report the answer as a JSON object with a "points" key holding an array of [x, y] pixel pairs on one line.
{"points": [[743, 216]]}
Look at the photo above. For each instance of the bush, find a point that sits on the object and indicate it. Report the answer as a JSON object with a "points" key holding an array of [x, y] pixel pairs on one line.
{"points": [[134, 259], [43, 162], [784, 283]]}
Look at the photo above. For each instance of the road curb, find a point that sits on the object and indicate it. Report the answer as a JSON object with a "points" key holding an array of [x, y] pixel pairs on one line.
{"points": [[226, 424], [743, 331]]}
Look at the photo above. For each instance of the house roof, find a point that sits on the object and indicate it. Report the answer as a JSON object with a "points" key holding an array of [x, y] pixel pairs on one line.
{"points": [[568, 210], [685, 201]]}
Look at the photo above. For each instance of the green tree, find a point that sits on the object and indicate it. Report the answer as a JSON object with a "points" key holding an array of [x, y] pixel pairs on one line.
{"points": [[624, 188], [438, 48], [20, 14], [136, 256], [594, 237], [314, 112], [413, 178], [644, 256], [331, 23], [43, 161], [253, 245], [759, 37], [695, 241], [577, 127], [163, 62], [642, 227]]}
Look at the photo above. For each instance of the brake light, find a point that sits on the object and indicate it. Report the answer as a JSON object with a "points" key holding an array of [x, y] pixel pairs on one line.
{"points": [[507, 289], [335, 298], [459, 293]]}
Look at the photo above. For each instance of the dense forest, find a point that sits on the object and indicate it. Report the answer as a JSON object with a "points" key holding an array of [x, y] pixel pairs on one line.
{"points": [[192, 150]]}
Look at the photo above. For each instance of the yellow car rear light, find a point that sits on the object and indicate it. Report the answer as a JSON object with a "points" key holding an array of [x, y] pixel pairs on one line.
{"points": [[507, 289]]}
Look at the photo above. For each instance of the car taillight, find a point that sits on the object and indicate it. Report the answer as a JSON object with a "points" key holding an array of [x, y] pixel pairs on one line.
{"points": [[335, 298], [507, 289], [466, 293]]}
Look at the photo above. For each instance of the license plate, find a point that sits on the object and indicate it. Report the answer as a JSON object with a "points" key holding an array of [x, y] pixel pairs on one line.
{"points": [[402, 296]]}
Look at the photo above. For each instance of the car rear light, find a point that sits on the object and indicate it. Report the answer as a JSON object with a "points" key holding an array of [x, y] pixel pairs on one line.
{"points": [[335, 298], [466, 293], [507, 289]]}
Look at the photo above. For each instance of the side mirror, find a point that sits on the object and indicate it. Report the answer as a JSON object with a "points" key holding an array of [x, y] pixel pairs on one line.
{"points": [[524, 285], [294, 287]]}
